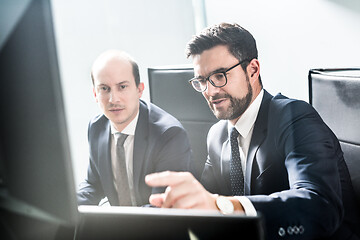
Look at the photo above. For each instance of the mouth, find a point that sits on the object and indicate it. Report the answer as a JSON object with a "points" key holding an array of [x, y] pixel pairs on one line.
{"points": [[115, 110], [218, 102]]}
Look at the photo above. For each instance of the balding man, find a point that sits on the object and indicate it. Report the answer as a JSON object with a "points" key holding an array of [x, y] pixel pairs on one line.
{"points": [[130, 139]]}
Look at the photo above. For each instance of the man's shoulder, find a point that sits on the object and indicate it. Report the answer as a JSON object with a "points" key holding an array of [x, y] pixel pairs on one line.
{"points": [[98, 125], [281, 104], [220, 125], [283, 112], [98, 119], [159, 117], [98, 122], [218, 130]]}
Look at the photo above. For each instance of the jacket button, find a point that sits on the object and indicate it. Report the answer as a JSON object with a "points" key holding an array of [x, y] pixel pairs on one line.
{"points": [[281, 232]]}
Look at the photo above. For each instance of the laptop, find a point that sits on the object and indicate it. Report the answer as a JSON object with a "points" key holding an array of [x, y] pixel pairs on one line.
{"points": [[160, 223]]}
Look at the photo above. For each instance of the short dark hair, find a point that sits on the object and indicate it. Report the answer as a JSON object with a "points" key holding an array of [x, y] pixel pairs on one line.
{"points": [[135, 68], [239, 41]]}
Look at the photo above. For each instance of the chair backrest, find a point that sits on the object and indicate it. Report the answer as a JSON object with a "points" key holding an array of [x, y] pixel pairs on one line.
{"points": [[335, 94], [170, 90]]}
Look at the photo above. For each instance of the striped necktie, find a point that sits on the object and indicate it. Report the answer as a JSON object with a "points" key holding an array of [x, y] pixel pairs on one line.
{"points": [[121, 177]]}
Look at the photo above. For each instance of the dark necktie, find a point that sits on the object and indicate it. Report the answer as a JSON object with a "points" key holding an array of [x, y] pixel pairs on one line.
{"points": [[236, 173], [121, 177]]}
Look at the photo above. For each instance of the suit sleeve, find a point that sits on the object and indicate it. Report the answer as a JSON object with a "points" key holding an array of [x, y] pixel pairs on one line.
{"points": [[173, 151], [311, 154], [209, 180], [90, 191], [213, 177]]}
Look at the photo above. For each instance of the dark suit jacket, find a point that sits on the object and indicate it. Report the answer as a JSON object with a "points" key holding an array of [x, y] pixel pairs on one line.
{"points": [[296, 176], [160, 144]]}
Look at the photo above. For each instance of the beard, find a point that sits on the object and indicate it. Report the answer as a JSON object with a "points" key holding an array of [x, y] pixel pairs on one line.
{"points": [[237, 105]]}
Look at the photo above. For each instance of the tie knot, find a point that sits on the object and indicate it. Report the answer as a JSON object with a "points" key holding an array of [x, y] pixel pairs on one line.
{"points": [[121, 138], [234, 133]]}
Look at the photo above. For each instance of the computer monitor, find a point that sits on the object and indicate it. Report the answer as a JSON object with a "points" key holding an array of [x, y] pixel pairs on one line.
{"points": [[36, 179]]}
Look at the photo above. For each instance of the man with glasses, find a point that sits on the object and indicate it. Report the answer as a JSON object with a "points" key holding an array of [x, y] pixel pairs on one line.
{"points": [[267, 154]]}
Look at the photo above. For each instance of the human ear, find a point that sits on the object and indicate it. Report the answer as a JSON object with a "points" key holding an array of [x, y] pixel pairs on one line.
{"points": [[141, 87], [254, 70], [95, 95]]}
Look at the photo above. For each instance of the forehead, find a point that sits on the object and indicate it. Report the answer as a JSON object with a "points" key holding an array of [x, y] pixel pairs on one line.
{"points": [[112, 71], [212, 59]]}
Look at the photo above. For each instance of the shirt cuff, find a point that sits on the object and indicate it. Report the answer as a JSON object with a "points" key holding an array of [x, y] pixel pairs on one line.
{"points": [[247, 205]]}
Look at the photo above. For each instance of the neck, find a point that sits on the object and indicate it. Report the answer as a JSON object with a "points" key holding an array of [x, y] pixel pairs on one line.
{"points": [[256, 92]]}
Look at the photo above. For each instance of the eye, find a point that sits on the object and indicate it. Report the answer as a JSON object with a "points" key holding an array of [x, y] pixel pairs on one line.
{"points": [[104, 89], [202, 81], [218, 77], [122, 87]]}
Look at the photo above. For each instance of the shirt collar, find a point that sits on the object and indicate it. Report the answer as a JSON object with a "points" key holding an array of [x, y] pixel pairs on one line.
{"points": [[247, 120], [129, 129]]}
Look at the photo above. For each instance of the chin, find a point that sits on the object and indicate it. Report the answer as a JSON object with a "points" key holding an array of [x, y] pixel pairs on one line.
{"points": [[219, 115]]}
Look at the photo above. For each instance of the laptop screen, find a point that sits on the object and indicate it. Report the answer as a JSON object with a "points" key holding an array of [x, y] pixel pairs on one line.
{"points": [[160, 223]]}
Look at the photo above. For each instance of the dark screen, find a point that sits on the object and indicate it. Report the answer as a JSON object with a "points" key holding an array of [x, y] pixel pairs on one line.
{"points": [[36, 175]]}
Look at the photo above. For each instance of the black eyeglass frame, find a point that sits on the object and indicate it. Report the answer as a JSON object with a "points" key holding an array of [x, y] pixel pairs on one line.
{"points": [[212, 83]]}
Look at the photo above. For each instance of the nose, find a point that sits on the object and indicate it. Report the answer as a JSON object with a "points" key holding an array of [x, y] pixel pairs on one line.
{"points": [[114, 97], [211, 90]]}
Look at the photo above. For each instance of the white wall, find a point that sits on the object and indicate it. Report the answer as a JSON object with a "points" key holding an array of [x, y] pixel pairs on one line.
{"points": [[153, 32], [294, 36]]}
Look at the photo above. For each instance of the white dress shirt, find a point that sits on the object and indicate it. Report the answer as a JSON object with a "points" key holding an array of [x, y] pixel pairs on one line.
{"points": [[129, 153], [245, 127]]}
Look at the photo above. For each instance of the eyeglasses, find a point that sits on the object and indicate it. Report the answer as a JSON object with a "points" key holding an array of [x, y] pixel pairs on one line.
{"points": [[217, 79]]}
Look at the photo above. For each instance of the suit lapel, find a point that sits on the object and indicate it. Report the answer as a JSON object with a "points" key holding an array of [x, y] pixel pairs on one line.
{"points": [[104, 157], [225, 156], [258, 137], [140, 144], [225, 163]]}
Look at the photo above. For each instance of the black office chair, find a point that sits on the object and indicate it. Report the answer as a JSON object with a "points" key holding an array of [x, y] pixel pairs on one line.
{"points": [[335, 94], [170, 90]]}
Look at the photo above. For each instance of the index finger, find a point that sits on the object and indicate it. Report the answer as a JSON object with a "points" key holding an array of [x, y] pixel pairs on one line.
{"points": [[167, 178]]}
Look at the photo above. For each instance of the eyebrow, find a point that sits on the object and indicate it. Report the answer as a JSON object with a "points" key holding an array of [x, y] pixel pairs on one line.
{"points": [[117, 84], [101, 84], [123, 82], [222, 69]]}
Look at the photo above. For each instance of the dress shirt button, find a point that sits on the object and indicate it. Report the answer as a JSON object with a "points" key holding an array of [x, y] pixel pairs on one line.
{"points": [[281, 232]]}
